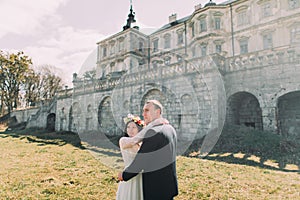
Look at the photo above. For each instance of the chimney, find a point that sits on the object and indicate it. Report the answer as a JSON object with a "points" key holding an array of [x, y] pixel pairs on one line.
{"points": [[172, 18], [198, 6]]}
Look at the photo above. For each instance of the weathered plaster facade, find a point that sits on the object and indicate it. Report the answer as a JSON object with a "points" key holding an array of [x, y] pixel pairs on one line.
{"points": [[246, 49]]}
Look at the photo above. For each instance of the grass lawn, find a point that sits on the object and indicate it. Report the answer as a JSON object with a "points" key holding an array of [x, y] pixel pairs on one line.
{"points": [[55, 166]]}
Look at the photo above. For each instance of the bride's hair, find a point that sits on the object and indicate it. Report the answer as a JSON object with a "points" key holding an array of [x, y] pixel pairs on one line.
{"points": [[137, 125]]}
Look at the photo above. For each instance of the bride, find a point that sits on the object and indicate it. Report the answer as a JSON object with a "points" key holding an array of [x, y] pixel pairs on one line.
{"points": [[130, 145], [132, 189]]}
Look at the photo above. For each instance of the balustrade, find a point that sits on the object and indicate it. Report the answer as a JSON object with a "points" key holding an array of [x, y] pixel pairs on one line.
{"points": [[261, 58]]}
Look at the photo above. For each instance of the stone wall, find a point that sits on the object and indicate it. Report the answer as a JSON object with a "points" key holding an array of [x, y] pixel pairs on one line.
{"points": [[244, 72], [24, 114], [256, 94], [263, 79]]}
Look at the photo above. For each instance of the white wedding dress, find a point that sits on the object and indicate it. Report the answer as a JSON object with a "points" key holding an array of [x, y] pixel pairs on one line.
{"points": [[133, 188]]}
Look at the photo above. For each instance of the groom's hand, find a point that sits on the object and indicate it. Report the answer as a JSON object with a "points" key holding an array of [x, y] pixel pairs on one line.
{"points": [[120, 177]]}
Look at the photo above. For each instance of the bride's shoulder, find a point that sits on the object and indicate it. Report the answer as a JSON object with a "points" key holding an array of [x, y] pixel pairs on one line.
{"points": [[124, 142]]}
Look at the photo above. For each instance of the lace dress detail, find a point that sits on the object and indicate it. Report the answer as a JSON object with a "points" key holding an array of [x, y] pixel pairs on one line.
{"points": [[133, 188]]}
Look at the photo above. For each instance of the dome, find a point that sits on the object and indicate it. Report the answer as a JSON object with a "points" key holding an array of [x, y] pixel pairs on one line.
{"points": [[210, 3], [89, 63]]}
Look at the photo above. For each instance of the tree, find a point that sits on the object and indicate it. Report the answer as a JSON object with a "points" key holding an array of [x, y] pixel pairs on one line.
{"points": [[89, 75], [43, 83], [18, 77], [32, 87], [13, 68]]}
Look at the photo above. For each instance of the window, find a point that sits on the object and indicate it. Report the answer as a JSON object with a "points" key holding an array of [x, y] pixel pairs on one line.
{"points": [[180, 37], [154, 64], [141, 61], [167, 60], [99, 53], [112, 65], [218, 48], [242, 18], [112, 48], [167, 38], [217, 23], [243, 46], [266, 9], [203, 50], [131, 65], [203, 26], [267, 41], [294, 4], [193, 29], [194, 51], [141, 46], [179, 58], [295, 34], [155, 45], [104, 50], [121, 45], [103, 70]]}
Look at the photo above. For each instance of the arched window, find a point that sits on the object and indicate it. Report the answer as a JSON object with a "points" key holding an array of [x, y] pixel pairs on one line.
{"points": [[167, 39]]}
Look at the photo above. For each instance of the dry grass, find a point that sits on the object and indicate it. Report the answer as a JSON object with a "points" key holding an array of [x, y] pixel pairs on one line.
{"points": [[37, 168], [205, 179], [33, 170]]}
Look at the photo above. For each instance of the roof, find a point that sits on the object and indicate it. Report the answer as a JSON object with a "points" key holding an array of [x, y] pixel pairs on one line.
{"points": [[227, 2], [172, 24]]}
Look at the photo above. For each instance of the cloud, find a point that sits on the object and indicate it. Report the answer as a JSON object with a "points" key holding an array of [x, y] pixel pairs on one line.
{"points": [[55, 43], [42, 29], [67, 49], [70, 39], [26, 17]]}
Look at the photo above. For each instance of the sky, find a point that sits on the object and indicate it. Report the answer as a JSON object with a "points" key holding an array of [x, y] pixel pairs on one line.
{"points": [[64, 33]]}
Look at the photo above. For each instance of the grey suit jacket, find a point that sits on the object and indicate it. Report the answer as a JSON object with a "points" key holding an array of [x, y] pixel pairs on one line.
{"points": [[156, 159]]}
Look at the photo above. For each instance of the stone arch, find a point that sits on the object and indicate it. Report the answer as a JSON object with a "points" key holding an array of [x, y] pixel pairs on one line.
{"points": [[288, 106], [186, 101], [169, 101], [262, 99], [106, 119], [74, 116], [88, 118], [89, 108], [51, 122], [243, 108]]}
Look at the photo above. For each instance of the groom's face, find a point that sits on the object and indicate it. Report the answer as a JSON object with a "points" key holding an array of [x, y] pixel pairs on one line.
{"points": [[150, 113]]}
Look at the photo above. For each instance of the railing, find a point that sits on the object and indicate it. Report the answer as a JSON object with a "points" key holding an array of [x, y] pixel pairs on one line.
{"points": [[133, 78], [66, 93], [262, 58], [195, 65]]}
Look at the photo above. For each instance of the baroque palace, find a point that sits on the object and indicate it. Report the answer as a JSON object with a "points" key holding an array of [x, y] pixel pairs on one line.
{"points": [[237, 62]]}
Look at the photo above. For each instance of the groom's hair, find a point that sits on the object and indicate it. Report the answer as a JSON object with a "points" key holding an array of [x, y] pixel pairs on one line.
{"points": [[156, 104]]}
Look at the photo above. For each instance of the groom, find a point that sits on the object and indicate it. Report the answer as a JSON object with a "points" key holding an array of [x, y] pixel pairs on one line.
{"points": [[156, 158]]}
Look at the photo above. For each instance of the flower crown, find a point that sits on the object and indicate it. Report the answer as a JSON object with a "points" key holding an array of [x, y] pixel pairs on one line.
{"points": [[135, 119]]}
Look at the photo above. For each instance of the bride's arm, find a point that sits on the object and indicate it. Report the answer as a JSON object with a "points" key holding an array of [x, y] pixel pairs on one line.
{"points": [[126, 142]]}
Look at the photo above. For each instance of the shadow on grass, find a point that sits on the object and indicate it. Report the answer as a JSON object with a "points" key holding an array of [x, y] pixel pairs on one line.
{"points": [[45, 137], [93, 141], [246, 146]]}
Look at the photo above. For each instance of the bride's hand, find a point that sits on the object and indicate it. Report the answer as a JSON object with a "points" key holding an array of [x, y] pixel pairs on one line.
{"points": [[160, 121], [120, 176]]}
